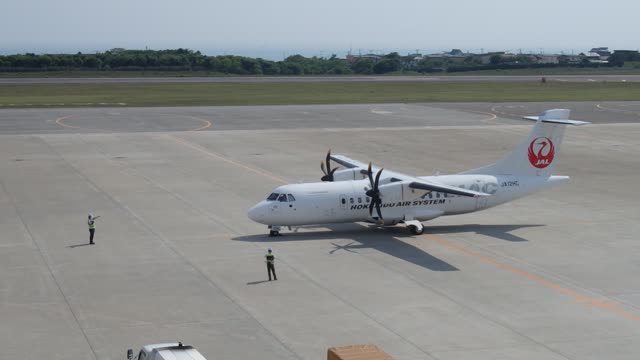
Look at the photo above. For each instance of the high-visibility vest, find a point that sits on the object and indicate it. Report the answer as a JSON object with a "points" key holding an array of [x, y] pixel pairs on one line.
{"points": [[92, 224], [270, 258]]}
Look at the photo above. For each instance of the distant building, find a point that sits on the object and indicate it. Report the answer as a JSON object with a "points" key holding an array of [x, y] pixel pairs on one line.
{"points": [[486, 57], [628, 53], [455, 53], [603, 52], [570, 59], [351, 59], [595, 58]]}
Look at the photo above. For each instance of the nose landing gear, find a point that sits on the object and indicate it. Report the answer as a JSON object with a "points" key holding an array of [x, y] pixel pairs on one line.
{"points": [[274, 231]]}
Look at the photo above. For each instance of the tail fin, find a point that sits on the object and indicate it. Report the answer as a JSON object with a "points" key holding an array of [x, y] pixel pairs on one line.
{"points": [[538, 154]]}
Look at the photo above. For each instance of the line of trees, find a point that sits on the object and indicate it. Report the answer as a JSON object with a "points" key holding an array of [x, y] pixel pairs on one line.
{"points": [[185, 60], [173, 60]]}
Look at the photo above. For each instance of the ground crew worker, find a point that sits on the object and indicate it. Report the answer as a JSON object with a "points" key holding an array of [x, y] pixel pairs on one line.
{"points": [[92, 227], [271, 268]]}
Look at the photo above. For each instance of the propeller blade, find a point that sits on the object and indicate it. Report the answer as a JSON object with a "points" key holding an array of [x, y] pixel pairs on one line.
{"points": [[328, 160], [374, 193], [378, 210], [326, 168], [378, 178]]}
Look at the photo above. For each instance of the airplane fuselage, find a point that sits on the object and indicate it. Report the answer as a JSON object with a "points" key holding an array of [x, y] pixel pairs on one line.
{"points": [[347, 201]]}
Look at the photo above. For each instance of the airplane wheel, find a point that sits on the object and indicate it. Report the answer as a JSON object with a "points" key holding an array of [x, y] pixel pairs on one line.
{"points": [[415, 230], [273, 233]]}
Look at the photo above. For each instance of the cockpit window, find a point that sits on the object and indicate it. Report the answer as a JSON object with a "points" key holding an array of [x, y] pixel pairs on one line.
{"points": [[291, 198], [282, 198], [273, 197]]}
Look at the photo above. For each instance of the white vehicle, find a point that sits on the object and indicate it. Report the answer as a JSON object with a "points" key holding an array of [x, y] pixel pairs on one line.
{"points": [[352, 194], [170, 351]]}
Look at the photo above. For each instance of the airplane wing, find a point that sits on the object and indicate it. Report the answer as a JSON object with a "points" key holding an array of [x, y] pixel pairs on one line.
{"points": [[439, 187], [348, 163], [411, 181]]}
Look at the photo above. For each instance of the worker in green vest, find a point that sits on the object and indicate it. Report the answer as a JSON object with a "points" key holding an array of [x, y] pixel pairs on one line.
{"points": [[271, 268], [92, 227]]}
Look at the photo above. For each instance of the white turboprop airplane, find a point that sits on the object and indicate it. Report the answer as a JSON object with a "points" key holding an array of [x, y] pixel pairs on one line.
{"points": [[352, 194]]}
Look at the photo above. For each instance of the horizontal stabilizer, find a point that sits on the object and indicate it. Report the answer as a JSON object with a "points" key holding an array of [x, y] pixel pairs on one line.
{"points": [[556, 116], [557, 121]]}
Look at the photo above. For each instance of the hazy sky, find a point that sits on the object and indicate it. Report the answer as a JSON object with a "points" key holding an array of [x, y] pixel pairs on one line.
{"points": [[276, 27]]}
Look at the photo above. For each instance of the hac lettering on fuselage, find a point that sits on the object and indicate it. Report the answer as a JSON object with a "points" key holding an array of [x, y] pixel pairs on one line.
{"points": [[361, 192]]}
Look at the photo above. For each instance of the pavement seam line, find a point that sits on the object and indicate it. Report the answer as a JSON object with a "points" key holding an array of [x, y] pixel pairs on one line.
{"points": [[311, 280], [580, 298], [51, 273], [464, 306], [303, 275], [225, 159], [173, 249], [597, 298]]}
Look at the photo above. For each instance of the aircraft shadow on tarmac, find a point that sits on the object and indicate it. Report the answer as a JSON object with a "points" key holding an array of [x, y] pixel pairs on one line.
{"points": [[502, 232], [388, 240]]}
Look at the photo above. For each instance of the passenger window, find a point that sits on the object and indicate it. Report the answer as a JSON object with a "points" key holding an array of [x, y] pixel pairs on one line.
{"points": [[282, 198], [343, 200], [430, 195], [272, 197], [359, 200], [438, 195], [351, 200], [366, 199], [291, 198]]}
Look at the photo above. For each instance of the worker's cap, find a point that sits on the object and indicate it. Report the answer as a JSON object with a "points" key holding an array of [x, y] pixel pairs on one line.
{"points": [[269, 250], [90, 215]]}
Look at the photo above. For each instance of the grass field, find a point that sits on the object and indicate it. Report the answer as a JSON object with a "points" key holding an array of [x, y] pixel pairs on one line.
{"points": [[309, 93], [630, 68], [107, 74]]}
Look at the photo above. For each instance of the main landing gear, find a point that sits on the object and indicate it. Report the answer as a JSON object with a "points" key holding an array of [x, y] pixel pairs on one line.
{"points": [[274, 231], [415, 227]]}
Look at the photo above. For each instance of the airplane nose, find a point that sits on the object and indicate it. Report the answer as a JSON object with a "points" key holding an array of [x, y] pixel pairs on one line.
{"points": [[256, 213]]}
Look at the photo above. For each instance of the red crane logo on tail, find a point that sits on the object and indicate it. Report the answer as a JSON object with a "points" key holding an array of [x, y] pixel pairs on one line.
{"points": [[541, 152]]}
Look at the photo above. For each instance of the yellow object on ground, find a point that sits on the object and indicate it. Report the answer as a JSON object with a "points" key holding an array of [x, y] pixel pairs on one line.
{"points": [[357, 352]]}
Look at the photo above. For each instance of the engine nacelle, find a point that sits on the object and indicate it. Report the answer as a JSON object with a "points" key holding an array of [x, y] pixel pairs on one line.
{"points": [[391, 194], [348, 174]]}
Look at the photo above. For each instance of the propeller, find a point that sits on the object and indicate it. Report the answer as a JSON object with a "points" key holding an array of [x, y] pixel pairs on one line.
{"points": [[328, 172], [374, 193]]}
